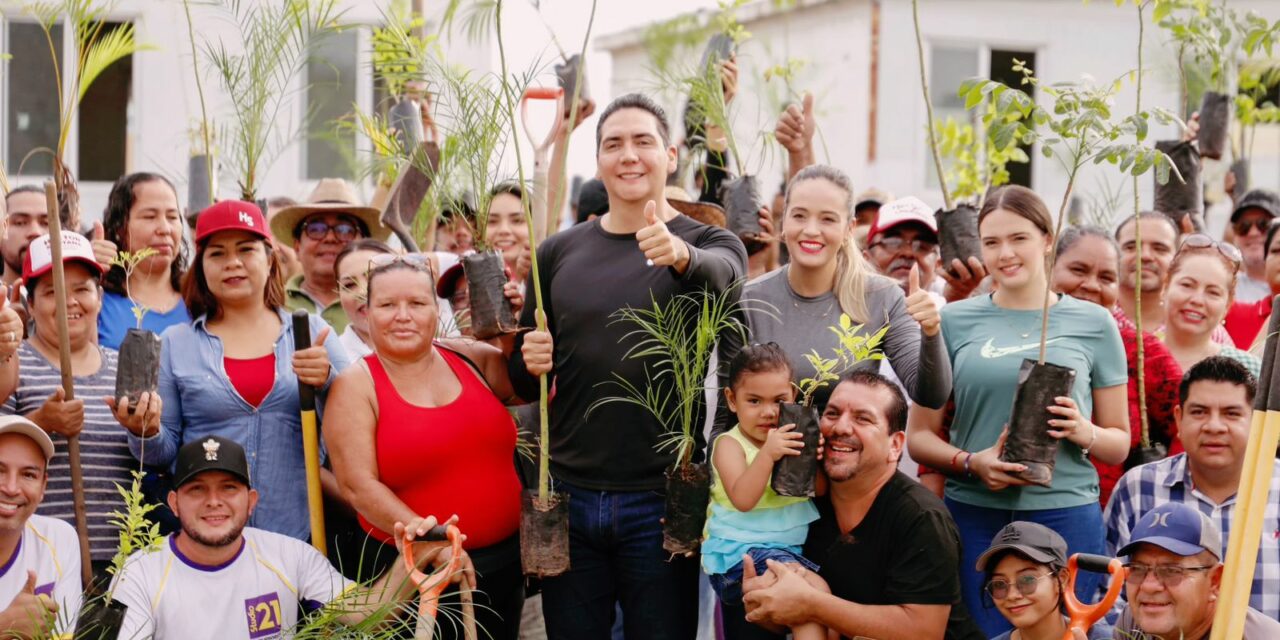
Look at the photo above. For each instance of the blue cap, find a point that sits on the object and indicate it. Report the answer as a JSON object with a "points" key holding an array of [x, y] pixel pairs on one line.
{"points": [[1177, 528]]}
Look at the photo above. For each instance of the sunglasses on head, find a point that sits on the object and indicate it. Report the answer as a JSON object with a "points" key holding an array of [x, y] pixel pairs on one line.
{"points": [[417, 261], [1202, 241], [317, 230]]}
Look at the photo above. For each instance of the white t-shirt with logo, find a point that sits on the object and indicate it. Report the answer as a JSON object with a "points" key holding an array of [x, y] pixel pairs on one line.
{"points": [[255, 596], [51, 548]]}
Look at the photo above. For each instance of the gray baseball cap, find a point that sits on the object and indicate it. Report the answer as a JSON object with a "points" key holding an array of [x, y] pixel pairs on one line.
{"points": [[1035, 541]]}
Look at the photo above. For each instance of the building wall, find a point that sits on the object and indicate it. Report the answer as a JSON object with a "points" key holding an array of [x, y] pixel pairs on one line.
{"points": [[165, 108], [1069, 38]]}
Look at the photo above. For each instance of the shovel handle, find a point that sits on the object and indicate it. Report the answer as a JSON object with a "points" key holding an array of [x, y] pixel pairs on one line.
{"points": [[1082, 616], [302, 341], [431, 586], [542, 93]]}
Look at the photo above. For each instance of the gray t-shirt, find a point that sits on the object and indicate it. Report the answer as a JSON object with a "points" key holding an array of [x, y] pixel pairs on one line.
{"points": [[801, 324]]}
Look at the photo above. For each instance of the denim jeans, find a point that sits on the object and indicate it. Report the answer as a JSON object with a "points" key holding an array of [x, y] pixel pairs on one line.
{"points": [[728, 588], [1081, 527], [616, 556]]}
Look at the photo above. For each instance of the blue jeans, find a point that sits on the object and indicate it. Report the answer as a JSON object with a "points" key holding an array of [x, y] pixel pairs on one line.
{"points": [[616, 556], [728, 588], [1081, 527]]}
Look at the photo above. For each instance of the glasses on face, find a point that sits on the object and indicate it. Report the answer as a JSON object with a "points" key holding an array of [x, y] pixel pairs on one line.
{"points": [[1202, 241], [895, 244], [1170, 575], [343, 230], [999, 589], [1242, 227]]}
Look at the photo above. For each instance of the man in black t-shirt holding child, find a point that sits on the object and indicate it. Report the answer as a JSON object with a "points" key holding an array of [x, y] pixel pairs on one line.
{"points": [[887, 547]]}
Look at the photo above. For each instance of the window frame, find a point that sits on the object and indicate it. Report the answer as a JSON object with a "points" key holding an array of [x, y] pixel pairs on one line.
{"points": [[364, 100]]}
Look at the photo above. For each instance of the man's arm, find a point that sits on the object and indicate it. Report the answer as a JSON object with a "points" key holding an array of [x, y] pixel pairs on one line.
{"points": [[717, 260]]}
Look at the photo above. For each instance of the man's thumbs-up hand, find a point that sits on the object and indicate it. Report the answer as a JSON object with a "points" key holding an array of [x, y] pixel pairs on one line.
{"points": [[104, 250], [10, 322], [921, 305], [29, 615], [659, 246]]}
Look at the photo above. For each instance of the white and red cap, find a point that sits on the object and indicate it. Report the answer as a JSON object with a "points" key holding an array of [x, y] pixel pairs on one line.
{"points": [[902, 211], [39, 258], [23, 426], [232, 215]]}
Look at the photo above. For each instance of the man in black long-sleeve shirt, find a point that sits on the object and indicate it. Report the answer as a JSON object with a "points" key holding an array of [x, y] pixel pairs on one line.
{"points": [[640, 253]]}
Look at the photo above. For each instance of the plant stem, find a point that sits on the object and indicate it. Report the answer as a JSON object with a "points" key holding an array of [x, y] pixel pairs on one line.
{"points": [[1053, 249], [544, 431], [928, 105], [555, 212], [204, 116], [1137, 238]]}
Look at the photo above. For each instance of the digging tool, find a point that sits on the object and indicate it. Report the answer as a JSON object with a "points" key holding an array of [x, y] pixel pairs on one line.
{"points": [[431, 586], [68, 379], [543, 219], [310, 438], [1082, 616]]}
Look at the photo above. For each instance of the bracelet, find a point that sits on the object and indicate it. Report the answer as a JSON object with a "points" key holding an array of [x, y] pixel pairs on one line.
{"points": [[1092, 440], [955, 457], [967, 458]]}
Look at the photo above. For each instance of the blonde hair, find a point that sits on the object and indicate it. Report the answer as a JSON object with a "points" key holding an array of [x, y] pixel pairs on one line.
{"points": [[851, 268]]}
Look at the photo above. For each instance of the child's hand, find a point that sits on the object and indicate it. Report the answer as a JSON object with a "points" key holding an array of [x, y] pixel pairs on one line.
{"points": [[783, 441]]}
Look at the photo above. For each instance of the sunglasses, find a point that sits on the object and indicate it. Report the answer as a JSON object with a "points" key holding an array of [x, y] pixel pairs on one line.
{"points": [[417, 261], [1202, 241], [318, 229], [1026, 585], [1241, 227], [895, 244], [1170, 575]]}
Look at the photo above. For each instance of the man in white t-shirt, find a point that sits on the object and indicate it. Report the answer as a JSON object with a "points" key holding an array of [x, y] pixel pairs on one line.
{"points": [[218, 579], [39, 556]]}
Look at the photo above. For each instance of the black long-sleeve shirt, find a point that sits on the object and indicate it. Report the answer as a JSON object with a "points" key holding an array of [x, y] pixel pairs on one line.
{"points": [[587, 275]]}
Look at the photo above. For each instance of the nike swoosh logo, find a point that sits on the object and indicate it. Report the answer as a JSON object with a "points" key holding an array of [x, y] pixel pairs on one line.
{"points": [[990, 351]]}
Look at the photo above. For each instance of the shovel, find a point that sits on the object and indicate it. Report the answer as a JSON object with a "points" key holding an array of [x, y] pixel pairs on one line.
{"points": [[542, 218], [1082, 616], [310, 438], [431, 586]]}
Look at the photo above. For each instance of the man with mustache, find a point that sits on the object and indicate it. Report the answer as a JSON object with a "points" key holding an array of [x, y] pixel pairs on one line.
{"points": [[1214, 407], [887, 547], [903, 235]]}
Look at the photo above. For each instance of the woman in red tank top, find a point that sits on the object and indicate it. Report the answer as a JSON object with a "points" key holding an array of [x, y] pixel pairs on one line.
{"points": [[419, 428]]}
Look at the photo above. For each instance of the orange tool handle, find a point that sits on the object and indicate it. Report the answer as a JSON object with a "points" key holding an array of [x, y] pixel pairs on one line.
{"points": [[431, 586], [1082, 616], [543, 93]]}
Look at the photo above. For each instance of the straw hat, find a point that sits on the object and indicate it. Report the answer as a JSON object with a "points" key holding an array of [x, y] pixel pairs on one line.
{"points": [[707, 213], [331, 195]]}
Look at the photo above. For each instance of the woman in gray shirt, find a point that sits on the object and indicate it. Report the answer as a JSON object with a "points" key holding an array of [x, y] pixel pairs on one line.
{"points": [[798, 305]]}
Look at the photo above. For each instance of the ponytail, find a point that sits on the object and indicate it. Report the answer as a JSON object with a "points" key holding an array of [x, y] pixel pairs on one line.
{"points": [[851, 268]]}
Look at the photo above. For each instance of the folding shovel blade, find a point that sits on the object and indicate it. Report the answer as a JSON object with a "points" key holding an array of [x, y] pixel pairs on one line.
{"points": [[409, 191]]}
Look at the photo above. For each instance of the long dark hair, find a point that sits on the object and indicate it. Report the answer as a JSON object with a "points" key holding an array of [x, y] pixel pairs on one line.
{"points": [[115, 223], [201, 301]]}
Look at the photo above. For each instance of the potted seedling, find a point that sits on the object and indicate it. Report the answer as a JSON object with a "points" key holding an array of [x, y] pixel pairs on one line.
{"points": [[102, 616], [1078, 130], [476, 131], [977, 157], [957, 223], [202, 185], [675, 338], [794, 475], [139, 357], [267, 53], [1253, 108], [1208, 32]]}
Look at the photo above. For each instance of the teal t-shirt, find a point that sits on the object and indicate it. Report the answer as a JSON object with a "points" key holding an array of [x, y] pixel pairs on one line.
{"points": [[987, 345], [116, 318]]}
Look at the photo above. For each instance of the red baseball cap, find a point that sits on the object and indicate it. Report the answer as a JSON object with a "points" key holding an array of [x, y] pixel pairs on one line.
{"points": [[232, 215], [39, 258], [902, 211]]}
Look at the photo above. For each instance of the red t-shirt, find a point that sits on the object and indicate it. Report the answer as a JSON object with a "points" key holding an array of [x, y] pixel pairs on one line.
{"points": [[1245, 319], [252, 378], [458, 458]]}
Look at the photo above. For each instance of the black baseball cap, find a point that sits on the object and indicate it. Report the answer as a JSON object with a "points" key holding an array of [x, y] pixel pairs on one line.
{"points": [[1262, 199], [1035, 541], [211, 453]]}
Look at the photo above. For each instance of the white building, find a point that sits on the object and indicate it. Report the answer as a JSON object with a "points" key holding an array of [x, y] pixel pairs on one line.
{"points": [[859, 59], [144, 112]]}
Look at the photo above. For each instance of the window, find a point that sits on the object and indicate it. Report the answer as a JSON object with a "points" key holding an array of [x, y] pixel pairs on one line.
{"points": [[949, 66], [32, 111], [332, 82], [31, 121]]}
